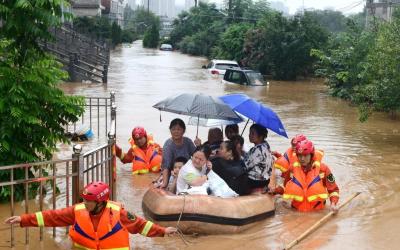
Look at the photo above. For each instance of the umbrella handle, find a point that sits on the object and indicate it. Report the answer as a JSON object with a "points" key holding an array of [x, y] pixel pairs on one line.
{"points": [[245, 127], [198, 120]]}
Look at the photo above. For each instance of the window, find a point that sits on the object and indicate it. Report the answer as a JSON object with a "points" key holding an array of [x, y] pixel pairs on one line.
{"points": [[224, 66]]}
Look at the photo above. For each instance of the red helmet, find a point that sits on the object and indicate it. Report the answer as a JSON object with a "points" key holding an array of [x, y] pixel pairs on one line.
{"points": [[305, 147], [138, 132], [298, 138], [96, 191]]}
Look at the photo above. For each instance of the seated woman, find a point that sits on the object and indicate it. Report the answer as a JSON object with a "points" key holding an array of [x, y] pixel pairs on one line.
{"points": [[194, 172], [259, 160], [231, 168], [214, 140], [176, 146]]}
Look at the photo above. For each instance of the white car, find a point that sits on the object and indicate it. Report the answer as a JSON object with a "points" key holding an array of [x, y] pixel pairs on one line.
{"points": [[218, 67]]}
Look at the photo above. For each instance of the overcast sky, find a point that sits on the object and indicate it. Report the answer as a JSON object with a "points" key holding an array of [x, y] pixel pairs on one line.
{"points": [[346, 6]]}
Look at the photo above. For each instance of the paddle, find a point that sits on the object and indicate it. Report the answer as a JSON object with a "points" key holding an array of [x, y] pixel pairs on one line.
{"points": [[318, 223]]}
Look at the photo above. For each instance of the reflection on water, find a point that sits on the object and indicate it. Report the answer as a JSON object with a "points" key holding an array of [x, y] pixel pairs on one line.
{"points": [[363, 156]]}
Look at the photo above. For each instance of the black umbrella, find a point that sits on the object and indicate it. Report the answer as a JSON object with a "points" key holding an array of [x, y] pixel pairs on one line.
{"points": [[199, 105]]}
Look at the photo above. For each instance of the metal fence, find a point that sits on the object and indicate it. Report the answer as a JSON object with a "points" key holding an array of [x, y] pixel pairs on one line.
{"points": [[98, 112], [60, 182]]}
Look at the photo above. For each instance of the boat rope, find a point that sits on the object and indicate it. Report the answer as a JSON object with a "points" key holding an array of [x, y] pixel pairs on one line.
{"points": [[180, 233]]}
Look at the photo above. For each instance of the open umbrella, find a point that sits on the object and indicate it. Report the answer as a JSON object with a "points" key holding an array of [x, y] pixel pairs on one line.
{"points": [[255, 111], [204, 122], [198, 105]]}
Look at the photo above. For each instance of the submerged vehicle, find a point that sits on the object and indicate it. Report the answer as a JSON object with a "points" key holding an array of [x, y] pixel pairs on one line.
{"points": [[244, 77], [166, 47], [218, 67], [206, 214]]}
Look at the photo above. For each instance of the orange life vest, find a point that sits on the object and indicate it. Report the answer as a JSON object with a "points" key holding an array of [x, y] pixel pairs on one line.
{"points": [[290, 158], [306, 190], [148, 160], [110, 234]]}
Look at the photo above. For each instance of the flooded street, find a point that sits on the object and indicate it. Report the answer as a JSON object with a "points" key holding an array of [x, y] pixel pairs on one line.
{"points": [[363, 156]]}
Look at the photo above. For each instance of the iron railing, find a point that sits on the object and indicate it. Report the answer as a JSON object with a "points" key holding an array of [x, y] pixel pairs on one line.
{"points": [[98, 112], [67, 175]]}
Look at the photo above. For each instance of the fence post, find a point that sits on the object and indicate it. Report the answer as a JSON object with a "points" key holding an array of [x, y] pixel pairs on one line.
{"points": [[105, 73], [77, 167], [73, 60], [113, 166]]}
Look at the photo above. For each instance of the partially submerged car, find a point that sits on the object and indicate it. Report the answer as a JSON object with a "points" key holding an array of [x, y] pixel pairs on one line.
{"points": [[166, 47], [244, 77], [218, 67]]}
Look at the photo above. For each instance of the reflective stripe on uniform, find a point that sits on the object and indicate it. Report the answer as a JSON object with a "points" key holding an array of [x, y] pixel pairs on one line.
{"points": [[296, 164], [80, 207], [140, 171], [280, 167], [76, 245], [122, 156], [155, 168], [322, 175], [39, 219], [316, 164], [334, 194], [314, 197], [147, 228], [293, 197], [113, 206]]}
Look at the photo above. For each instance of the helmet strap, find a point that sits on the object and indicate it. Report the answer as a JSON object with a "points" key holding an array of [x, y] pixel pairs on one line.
{"points": [[98, 208]]}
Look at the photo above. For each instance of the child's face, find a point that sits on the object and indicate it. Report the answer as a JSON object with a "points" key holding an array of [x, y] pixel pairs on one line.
{"points": [[177, 167]]}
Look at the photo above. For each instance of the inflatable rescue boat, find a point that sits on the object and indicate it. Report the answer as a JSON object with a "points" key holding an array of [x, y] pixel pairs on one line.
{"points": [[205, 214]]}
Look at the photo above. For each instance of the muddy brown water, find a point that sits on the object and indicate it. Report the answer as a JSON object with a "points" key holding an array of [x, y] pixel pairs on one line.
{"points": [[363, 156]]}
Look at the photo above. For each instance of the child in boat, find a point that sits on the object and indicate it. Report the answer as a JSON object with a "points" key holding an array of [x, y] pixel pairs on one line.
{"points": [[178, 164]]}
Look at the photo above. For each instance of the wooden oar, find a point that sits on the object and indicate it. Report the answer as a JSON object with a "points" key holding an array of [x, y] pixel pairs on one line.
{"points": [[318, 223]]}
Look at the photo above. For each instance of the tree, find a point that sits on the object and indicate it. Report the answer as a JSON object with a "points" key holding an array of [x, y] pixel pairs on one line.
{"points": [[33, 109], [151, 37], [281, 47], [116, 34], [230, 46], [332, 21]]}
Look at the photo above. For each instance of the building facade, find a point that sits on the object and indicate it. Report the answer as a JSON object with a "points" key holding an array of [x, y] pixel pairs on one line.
{"points": [[160, 7], [114, 10], [86, 7], [382, 9]]}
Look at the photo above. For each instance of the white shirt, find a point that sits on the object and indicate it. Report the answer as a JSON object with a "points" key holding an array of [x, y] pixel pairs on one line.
{"points": [[187, 174]]}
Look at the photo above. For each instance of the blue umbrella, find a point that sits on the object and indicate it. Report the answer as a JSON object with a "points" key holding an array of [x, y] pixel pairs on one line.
{"points": [[255, 111]]}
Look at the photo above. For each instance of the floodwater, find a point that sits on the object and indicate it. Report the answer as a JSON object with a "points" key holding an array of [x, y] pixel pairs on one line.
{"points": [[362, 156]]}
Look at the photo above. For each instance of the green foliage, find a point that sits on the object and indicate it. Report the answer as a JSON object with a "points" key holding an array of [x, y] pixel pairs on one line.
{"points": [[116, 34], [96, 27], [230, 45], [33, 109], [333, 21], [139, 20], [281, 47], [151, 37], [362, 66]]}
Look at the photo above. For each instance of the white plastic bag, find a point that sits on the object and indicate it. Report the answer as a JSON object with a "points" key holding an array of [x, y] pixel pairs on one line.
{"points": [[197, 190], [219, 187]]}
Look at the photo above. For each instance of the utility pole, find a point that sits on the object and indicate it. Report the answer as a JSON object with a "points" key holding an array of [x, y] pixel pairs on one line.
{"points": [[195, 3], [303, 7], [148, 6]]}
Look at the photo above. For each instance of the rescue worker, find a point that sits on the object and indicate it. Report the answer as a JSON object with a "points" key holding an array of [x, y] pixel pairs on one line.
{"points": [[309, 183], [144, 153], [289, 157], [97, 223]]}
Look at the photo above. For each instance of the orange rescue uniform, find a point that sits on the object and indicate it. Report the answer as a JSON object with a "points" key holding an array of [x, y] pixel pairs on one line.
{"points": [[143, 160], [290, 157], [107, 230], [309, 190]]}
